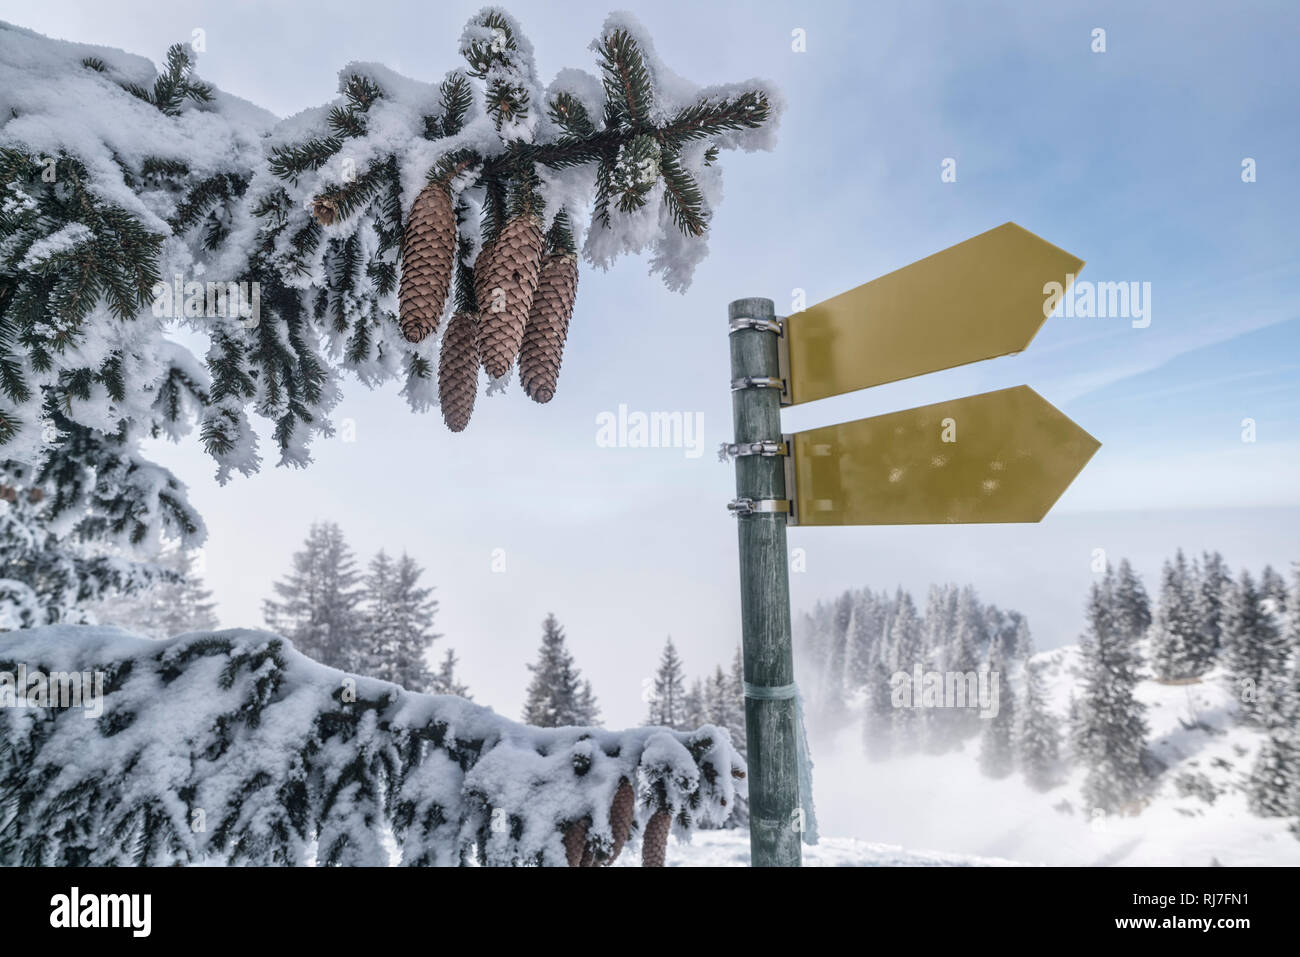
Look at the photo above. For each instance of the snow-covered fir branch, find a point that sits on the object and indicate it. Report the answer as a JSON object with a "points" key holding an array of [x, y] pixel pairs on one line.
{"points": [[231, 746]]}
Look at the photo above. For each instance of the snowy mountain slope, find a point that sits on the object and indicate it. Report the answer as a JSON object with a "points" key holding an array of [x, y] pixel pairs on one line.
{"points": [[943, 801]]}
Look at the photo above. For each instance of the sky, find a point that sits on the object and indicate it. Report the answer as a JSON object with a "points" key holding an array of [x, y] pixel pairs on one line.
{"points": [[1131, 158]]}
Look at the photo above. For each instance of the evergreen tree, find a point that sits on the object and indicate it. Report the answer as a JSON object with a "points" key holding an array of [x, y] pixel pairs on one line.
{"points": [[878, 718], [1213, 583], [557, 696], [695, 704], [1111, 736], [905, 639], [1181, 647], [997, 755], [963, 656], [862, 645], [1132, 608], [668, 705], [446, 682], [1023, 642], [1272, 587], [833, 682], [169, 606], [940, 624], [1274, 785], [318, 604], [1257, 652], [1038, 736], [48, 578], [588, 711], [397, 614], [1273, 788]]}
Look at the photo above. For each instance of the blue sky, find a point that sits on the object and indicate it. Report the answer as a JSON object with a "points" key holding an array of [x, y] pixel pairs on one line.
{"points": [[1131, 159]]}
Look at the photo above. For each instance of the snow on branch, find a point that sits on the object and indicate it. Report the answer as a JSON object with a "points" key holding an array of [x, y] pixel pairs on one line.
{"points": [[232, 747], [138, 202]]}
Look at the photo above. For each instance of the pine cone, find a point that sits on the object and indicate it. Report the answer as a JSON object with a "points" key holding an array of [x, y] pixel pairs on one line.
{"points": [[542, 350], [458, 371], [324, 211], [509, 281], [575, 842], [428, 252], [654, 845], [621, 815], [480, 276]]}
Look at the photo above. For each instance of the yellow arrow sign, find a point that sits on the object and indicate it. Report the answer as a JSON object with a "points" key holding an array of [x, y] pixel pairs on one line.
{"points": [[1001, 456], [979, 299]]}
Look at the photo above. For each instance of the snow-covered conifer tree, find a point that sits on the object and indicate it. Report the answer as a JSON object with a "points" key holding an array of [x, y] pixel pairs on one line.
{"points": [[171, 605], [695, 703], [1256, 652], [1132, 607], [318, 603], [668, 701], [1111, 734], [878, 717], [446, 682], [1181, 647], [396, 617], [1272, 586], [997, 756], [588, 709], [1273, 788], [50, 578], [1213, 583], [863, 641], [905, 639], [1038, 736], [966, 650], [557, 696]]}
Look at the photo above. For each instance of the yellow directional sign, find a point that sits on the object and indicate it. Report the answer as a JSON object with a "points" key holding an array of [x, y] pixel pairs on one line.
{"points": [[1001, 456], [979, 299]]}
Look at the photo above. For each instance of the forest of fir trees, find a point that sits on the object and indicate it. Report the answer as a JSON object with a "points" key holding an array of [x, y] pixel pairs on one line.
{"points": [[1205, 624]]}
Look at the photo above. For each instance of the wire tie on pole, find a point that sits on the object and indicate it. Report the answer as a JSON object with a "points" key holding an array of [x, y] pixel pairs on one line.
{"points": [[804, 755]]}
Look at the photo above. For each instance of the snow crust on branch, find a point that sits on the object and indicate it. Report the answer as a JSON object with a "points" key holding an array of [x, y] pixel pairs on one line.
{"points": [[230, 746]]}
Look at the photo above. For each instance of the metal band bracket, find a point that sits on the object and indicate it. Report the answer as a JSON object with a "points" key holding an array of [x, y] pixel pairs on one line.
{"points": [[747, 506], [757, 382], [749, 322], [732, 450]]}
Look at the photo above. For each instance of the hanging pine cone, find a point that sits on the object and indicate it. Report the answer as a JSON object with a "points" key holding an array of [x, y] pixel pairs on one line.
{"points": [[575, 842], [621, 815], [428, 252], [480, 276], [548, 326], [509, 281], [654, 844], [458, 371]]}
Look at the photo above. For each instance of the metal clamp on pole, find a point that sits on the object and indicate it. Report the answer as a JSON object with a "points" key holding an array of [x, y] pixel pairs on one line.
{"points": [[751, 322], [734, 450], [747, 506], [757, 382]]}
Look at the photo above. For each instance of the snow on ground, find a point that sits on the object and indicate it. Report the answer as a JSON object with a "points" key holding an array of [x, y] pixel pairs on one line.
{"points": [[943, 801], [731, 849]]}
